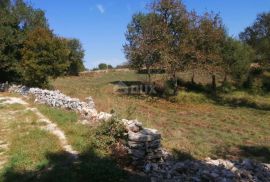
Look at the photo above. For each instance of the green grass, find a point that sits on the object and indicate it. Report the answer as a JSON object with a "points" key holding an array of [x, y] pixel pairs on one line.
{"points": [[35, 155], [94, 145], [201, 129], [76, 133], [189, 97], [28, 145]]}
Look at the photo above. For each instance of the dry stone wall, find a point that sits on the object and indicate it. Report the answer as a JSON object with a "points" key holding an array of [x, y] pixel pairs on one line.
{"points": [[144, 144], [56, 99]]}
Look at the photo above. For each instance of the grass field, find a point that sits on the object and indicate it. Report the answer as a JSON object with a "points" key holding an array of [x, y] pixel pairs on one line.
{"points": [[236, 127], [29, 153]]}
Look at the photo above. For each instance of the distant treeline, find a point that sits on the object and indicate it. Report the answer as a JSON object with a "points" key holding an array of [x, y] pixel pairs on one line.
{"points": [[171, 38], [30, 53]]}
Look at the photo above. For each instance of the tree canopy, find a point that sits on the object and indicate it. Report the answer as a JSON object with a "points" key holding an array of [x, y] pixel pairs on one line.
{"points": [[30, 52], [258, 37]]}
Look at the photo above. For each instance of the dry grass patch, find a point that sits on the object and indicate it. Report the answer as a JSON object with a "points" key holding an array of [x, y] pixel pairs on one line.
{"points": [[202, 129]]}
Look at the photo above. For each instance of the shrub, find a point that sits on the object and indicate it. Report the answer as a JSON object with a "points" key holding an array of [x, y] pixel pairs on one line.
{"points": [[109, 132]]}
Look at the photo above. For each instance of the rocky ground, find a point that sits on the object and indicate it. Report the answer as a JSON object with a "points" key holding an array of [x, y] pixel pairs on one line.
{"points": [[209, 170]]}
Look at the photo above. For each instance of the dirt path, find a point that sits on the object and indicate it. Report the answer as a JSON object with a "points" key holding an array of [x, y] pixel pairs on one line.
{"points": [[4, 130], [47, 125]]}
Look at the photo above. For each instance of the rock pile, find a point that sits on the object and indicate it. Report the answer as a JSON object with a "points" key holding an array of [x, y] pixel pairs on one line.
{"points": [[208, 170], [144, 144], [56, 99]]}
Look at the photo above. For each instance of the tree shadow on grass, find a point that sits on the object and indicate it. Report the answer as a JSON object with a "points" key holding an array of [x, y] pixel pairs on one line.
{"points": [[139, 90], [63, 168], [257, 153], [218, 99], [181, 155]]}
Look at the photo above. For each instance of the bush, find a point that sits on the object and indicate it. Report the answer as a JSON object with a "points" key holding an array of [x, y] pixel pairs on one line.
{"points": [[168, 89], [227, 87], [257, 81], [240, 98], [109, 132]]}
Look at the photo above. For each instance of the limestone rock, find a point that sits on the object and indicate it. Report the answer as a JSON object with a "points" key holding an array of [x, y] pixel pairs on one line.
{"points": [[102, 116], [145, 135]]}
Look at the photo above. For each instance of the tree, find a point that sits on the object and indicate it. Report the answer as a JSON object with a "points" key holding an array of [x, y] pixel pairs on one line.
{"points": [[258, 37], [179, 49], [144, 42], [75, 57], [110, 66], [16, 18], [103, 66], [9, 43], [210, 37], [43, 56], [237, 58]]}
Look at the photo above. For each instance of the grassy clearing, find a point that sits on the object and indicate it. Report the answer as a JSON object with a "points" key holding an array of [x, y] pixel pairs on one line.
{"points": [[215, 128]]}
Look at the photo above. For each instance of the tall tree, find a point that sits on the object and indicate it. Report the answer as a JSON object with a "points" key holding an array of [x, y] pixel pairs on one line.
{"points": [[210, 37], [179, 48], [16, 18], [43, 56], [9, 42], [75, 58], [258, 37], [144, 42]]}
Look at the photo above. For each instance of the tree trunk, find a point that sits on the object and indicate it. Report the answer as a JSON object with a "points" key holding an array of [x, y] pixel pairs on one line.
{"points": [[175, 84], [149, 75], [192, 78], [214, 85]]}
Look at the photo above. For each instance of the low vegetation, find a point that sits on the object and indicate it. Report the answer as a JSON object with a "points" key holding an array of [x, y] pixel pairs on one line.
{"points": [[34, 154], [233, 125]]}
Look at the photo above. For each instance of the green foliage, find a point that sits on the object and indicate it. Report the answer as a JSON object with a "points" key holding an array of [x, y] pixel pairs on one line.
{"points": [[112, 128], [110, 66], [16, 18], [170, 37], [43, 55], [103, 66], [237, 58], [189, 97], [258, 36], [28, 57], [108, 134], [144, 42], [75, 57]]}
